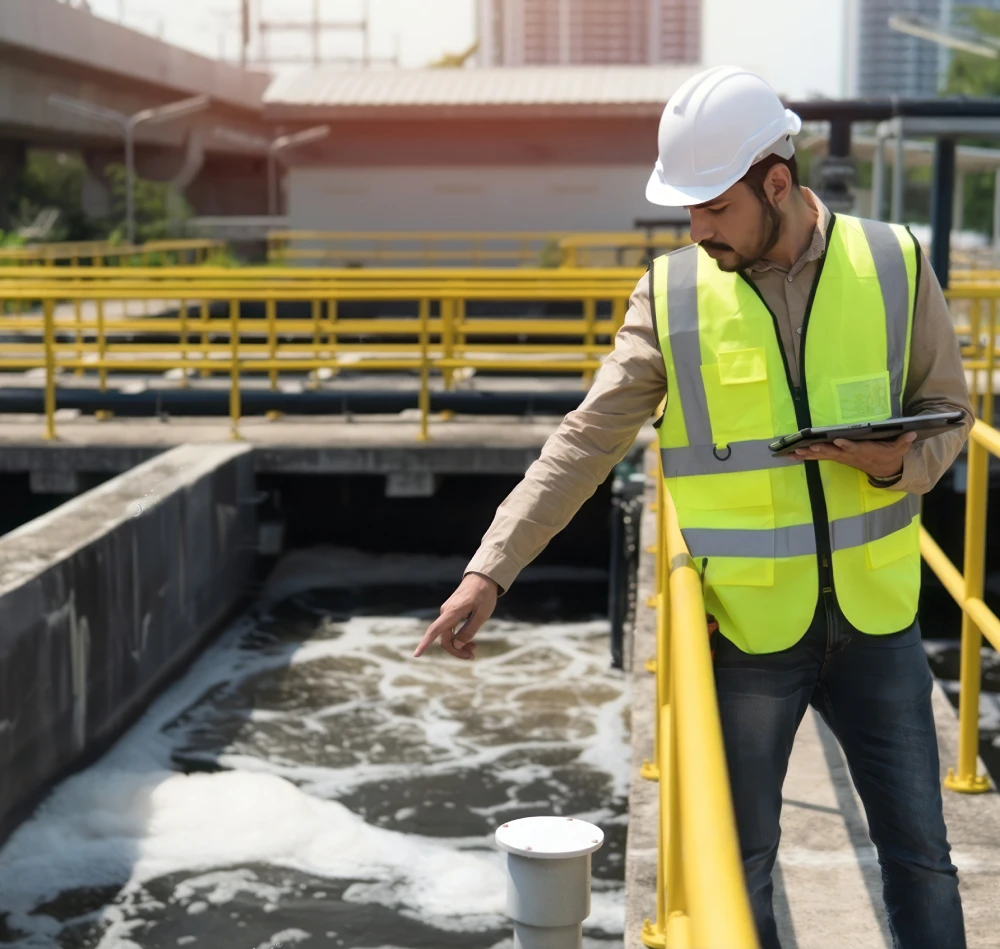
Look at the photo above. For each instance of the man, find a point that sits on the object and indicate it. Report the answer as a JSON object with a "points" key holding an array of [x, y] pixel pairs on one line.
{"points": [[813, 566]]}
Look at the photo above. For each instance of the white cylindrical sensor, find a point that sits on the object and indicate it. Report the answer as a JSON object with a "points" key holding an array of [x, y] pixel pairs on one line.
{"points": [[548, 879]]}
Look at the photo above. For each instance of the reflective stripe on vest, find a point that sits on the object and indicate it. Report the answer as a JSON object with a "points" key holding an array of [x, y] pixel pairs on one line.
{"points": [[749, 513], [800, 539]]}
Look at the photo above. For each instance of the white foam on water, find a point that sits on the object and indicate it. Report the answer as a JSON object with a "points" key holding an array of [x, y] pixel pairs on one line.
{"points": [[131, 818]]}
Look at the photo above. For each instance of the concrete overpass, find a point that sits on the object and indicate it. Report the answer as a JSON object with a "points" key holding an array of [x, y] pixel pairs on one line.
{"points": [[49, 47]]}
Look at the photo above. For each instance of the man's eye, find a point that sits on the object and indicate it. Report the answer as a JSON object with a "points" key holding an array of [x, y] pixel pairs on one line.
{"points": [[717, 210]]}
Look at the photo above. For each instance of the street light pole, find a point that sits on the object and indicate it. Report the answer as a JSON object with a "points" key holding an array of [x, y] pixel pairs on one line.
{"points": [[272, 148], [129, 132], [127, 124]]}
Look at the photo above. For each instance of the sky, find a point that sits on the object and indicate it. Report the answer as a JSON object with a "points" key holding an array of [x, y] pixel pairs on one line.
{"points": [[796, 44]]}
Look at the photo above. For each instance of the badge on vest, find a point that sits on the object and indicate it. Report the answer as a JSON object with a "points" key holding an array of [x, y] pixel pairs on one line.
{"points": [[862, 398]]}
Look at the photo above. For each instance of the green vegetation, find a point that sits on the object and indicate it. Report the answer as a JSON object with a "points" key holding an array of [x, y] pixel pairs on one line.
{"points": [[55, 180], [159, 213], [973, 75]]}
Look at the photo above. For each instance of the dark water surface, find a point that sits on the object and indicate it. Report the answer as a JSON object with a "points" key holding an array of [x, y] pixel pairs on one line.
{"points": [[308, 782]]}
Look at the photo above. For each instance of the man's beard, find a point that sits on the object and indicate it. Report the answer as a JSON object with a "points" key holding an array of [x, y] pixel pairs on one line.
{"points": [[772, 232]]}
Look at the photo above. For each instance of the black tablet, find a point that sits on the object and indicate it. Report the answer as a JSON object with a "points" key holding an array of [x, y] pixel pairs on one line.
{"points": [[887, 430]]}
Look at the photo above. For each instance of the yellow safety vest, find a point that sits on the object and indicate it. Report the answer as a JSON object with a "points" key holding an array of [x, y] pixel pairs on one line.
{"points": [[772, 528]]}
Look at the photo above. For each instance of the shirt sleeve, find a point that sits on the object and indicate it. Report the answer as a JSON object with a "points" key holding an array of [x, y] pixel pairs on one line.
{"points": [[580, 454], [935, 382]]}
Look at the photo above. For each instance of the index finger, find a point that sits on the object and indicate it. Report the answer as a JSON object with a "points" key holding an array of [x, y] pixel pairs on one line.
{"points": [[445, 623]]}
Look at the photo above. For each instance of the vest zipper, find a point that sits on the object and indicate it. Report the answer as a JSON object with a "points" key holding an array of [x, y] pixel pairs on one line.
{"points": [[800, 400]]}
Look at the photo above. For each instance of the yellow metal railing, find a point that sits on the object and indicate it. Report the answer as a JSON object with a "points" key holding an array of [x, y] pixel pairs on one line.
{"points": [[99, 253], [427, 248], [701, 896], [626, 249], [966, 589], [92, 332], [472, 248]]}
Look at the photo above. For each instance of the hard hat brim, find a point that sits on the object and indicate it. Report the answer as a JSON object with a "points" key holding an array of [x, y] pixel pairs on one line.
{"points": [[667, 196]]}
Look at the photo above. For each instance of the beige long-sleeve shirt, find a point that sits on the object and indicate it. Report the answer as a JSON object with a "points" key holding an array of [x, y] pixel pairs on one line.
{"points": [[630, 384]]}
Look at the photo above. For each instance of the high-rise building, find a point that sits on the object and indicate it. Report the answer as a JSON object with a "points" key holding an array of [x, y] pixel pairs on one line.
{"points": [[881, 61], [553, 32]]}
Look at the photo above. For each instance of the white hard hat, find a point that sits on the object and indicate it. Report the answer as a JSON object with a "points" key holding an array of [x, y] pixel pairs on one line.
{"points": [[712, 130]]}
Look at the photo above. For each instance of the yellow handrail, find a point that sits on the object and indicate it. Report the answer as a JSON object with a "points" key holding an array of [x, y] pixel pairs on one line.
{"points": [[73, 252], [99, 337], [966, 589], [701, 895]]}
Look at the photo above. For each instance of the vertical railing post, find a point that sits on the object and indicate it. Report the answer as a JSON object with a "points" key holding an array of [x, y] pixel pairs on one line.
{"points": [[271, 308], [590, 317], [48, 310], [974, 332], [234, 370], [991, 344], [965, 777], [425, 371], [448, 340], [78, 324], [184, 343], [317, 312], [203, 313], [331, 337], [102, 347], [619, 307]]}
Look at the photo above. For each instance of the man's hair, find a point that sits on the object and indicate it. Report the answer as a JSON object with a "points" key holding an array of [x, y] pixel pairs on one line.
{"points": [[754, 178]]}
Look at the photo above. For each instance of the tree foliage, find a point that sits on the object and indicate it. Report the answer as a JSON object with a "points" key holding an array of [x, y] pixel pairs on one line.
{"points": [[972, 75], [969, 74]]}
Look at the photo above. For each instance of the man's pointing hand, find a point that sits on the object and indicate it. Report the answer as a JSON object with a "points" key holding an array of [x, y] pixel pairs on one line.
{"points": [[469, 606]]}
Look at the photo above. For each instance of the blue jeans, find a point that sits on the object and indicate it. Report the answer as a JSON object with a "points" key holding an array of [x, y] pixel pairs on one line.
{"points": [[874, 692]]}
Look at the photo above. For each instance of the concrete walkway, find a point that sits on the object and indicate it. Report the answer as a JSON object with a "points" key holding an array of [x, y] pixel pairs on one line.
{"points": [[827, 881]]}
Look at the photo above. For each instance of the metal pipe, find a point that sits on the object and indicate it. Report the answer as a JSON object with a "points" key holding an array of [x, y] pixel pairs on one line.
{"points": [[130, 181], [898, 177], [215, 402], [942, 197], [958, 210], [878, 175], [272, 182]]}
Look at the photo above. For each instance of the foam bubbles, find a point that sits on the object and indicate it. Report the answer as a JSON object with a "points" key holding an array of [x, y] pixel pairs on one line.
{"points": [[343, 758]]}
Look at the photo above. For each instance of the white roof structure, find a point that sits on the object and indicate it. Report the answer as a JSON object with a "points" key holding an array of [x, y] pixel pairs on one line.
{"points": [[619, 90]]}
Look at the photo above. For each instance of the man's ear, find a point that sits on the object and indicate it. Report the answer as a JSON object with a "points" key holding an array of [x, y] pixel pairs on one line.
{"points": [[778, 183]]}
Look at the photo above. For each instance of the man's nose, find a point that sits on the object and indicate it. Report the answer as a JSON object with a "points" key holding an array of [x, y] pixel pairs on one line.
{"points": [[700, 228]]}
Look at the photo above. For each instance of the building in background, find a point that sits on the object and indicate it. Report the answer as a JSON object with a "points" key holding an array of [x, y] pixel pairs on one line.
{"points": [[529, 149], [880, 61], [589, 32]]}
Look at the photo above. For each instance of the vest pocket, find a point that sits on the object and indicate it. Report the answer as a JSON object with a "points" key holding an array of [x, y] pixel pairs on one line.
{"points": [[729, 518], [739, 400], [882, 548]]}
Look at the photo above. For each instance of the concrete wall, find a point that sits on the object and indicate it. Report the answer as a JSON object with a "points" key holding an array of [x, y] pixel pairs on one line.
{"points": [[105, 597], [446, 197]]}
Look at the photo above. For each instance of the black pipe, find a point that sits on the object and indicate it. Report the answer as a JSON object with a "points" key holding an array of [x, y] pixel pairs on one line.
{"points": [[215, 402], [840, 138], [617, 583], [878, 110], [942, 207]]}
